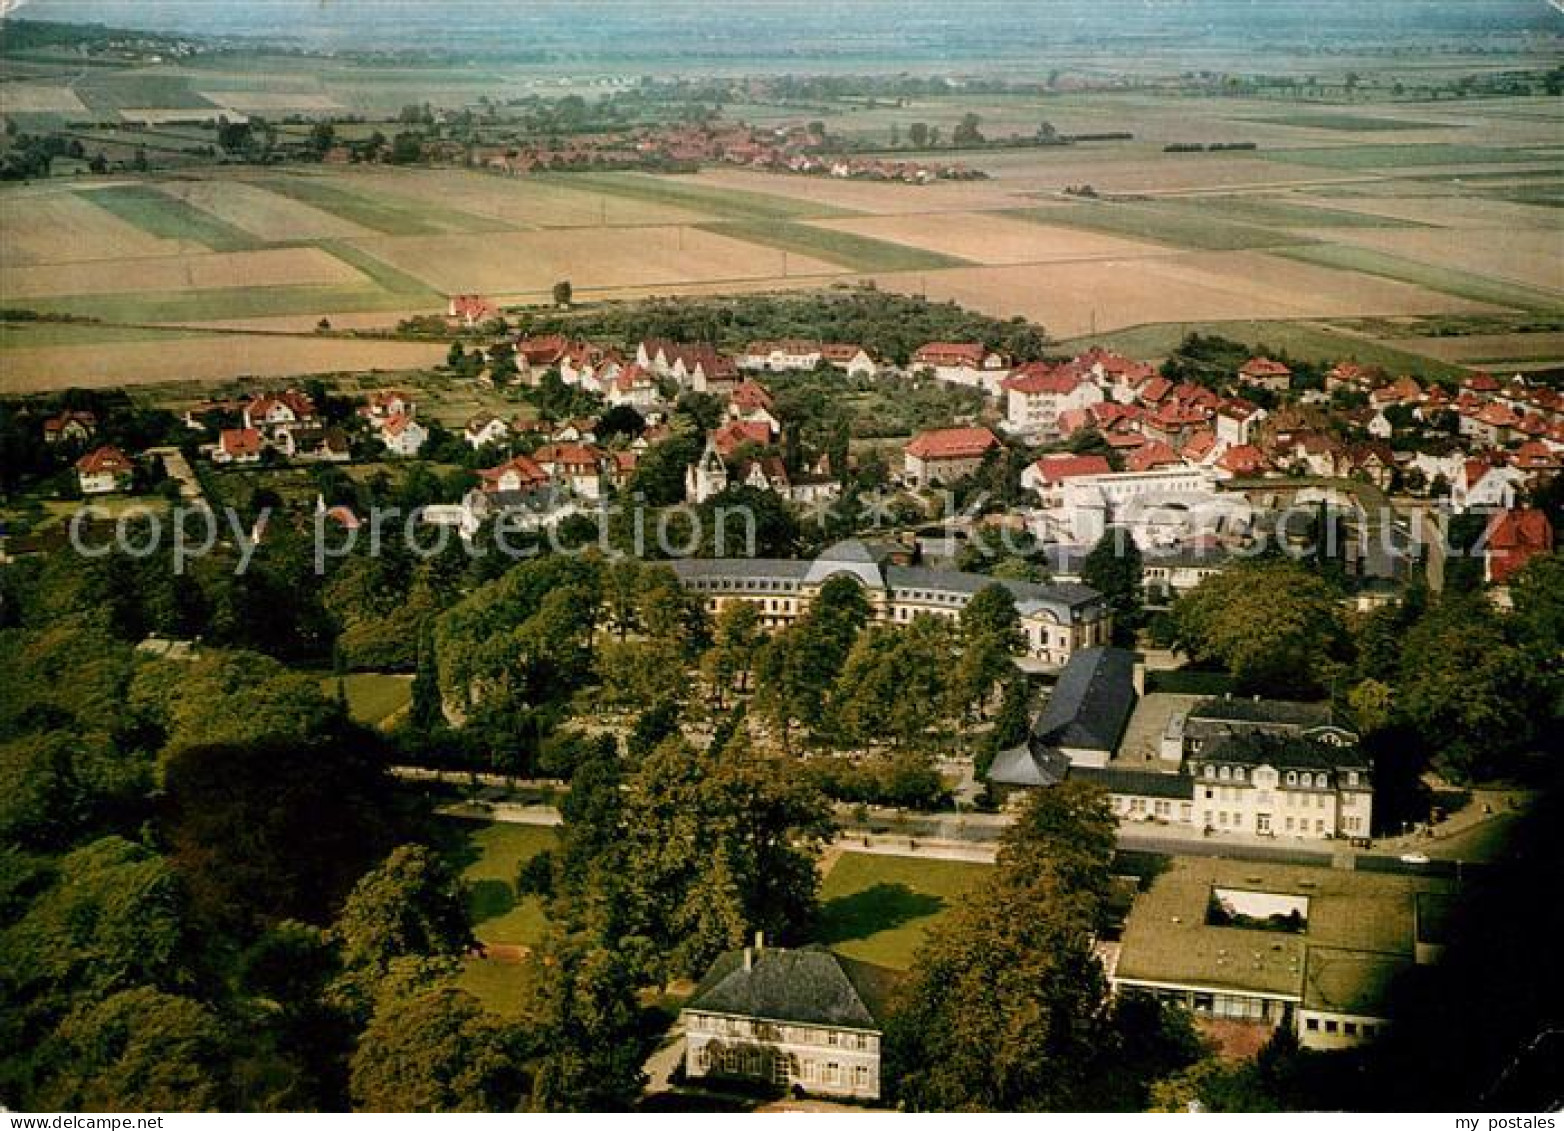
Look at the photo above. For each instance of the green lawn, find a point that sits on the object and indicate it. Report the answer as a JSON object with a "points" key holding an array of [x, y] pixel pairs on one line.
{"points": [[1304, 340], [1446, 280], [718, 203], [855, 252], [501, 986], [879, 908], [498, 916], [1185, 226], [373, 697], [159, 214], [383, 212]]}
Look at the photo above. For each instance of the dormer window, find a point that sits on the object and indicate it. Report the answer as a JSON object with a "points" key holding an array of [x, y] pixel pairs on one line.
{"points": [[1292, 777], [1211, 773], [1238, 774], [1224, 773], [1352, 777]]}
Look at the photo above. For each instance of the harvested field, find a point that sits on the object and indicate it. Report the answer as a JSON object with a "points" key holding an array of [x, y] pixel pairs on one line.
{"points": [[379, 212], [525, 202], [1365, 262], [225, 305], [846, 249], [158, 214], [1069, 298], [1152, 171], [266, 215], [992, 239], [1203, 230], [1490, 349], [1444, 210], [39, 98], [1282, 212], [273, 102], [209, 357], [62, 227], [689, 192], [1401, 157], [1352, 123], [529, 263], [873, 198], [291, 266], [1530, 258]]}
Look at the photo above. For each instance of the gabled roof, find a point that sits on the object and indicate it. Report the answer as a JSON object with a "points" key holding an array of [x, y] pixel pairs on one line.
{"points": [[1041, 378], [1282, 751], [1264, 367], [810, 986], [952, 443], [240, 441], [1058, 468], [1091, 703], [947, 353], [107, 460]]}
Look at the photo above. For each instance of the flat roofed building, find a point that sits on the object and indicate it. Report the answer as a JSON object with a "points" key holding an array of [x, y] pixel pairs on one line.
{"points": [[1204, 935], [1057, 620]]}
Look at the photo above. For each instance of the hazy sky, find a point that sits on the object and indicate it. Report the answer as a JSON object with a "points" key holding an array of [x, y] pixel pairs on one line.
{"points": [[411, 21]]}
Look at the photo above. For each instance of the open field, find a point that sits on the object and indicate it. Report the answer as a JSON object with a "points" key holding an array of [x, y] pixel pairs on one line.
{"points": [[1519, 256], [529, 263], [1205, 230], [1363, 262], [498, 915], [267, 216], [988, 238], [852, 250], [525, 202], [54, 226], [879, 908], [204, 357], [161, 215], [1305, 340], [375, 211], [276, 267], [1491, 349], [1192, 287], [689, 192]]}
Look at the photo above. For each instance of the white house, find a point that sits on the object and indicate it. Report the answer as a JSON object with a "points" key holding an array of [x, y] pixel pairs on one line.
{"points": [[1037, 395], [485, 428], [962, 364], [403, 436], [104, 470]]}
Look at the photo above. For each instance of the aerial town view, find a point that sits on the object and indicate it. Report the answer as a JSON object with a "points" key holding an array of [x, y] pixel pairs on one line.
{"points": [[941, 556]]}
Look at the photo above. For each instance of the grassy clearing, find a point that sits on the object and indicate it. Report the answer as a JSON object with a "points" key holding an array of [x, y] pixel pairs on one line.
{"points": [[1175, 227], [395, 216], [385, 276], [107, 92], [1397, 157], [879, 908], [373, 697], [718, 203], [1445, 280], [220, 305], [503, 987], [161, 215], [855, 252], [1349, 123], [1273, 213], [1304, 340], [498, 915]]}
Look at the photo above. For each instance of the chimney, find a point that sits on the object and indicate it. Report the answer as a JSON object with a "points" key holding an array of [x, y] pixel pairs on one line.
{"points": [[1138, 677], [749, 958], [760, 942]]}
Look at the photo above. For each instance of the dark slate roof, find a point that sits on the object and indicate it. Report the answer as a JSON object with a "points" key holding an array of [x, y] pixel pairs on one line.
{"points": [[1141, 783], [1285, 752], [788, 569], [1275, 712], [810, 986], [851, 550], [1091, 703], [1021, 765]]}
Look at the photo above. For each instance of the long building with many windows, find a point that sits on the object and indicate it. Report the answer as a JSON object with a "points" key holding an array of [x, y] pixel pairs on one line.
{"points": [[1058, 620]]}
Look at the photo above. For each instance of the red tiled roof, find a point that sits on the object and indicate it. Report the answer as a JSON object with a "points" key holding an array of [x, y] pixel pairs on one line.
{"points": [[736, 433], [1516, 538], [1244, 459], [528, 472], [952, 443], [1264, 367], [1040, 377], [950, 353], [240, 441], [751, 395], [107, 460], [1056, 469], [1151, 456]]}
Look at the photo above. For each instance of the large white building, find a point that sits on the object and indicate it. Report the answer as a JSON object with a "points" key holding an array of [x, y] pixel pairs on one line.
{"points": [[1037, 395], [1058, 620]]}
